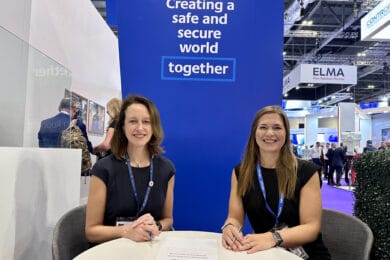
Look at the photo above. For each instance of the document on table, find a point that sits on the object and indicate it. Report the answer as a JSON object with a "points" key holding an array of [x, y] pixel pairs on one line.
{"points": [[175, 248]]}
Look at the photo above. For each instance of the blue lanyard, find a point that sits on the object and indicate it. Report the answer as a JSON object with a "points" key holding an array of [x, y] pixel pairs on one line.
{"points": [[281, 198], [132, 180]]}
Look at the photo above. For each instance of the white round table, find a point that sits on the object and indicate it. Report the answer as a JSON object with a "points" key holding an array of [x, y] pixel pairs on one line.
{"points": [[127, 249]]}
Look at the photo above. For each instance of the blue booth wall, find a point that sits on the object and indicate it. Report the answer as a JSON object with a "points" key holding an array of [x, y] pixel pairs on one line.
{"points": [[206, 116]]}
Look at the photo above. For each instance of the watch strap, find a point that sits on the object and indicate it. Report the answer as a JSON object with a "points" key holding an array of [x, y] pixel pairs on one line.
{"points": [[277, 237], [158, 224]]}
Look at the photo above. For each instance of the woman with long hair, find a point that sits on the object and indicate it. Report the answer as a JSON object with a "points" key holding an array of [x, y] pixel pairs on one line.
{"points": [[279, 193], [113, 108], [131, 190]]}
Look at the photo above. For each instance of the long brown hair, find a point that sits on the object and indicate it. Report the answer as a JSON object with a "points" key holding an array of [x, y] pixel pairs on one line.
{"points": [[286, 166], [119, 141]]}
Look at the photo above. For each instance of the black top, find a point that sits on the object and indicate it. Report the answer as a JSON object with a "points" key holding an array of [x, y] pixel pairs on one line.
{"points": [[262, 220], [120, 201], [108, 152]]}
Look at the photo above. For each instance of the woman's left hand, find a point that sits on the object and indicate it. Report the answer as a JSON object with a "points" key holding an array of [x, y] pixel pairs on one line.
{"points": [[258, 242], [149, 223]]}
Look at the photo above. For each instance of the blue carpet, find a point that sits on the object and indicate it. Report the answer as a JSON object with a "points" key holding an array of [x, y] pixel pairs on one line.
{"points": [[338, 198]]}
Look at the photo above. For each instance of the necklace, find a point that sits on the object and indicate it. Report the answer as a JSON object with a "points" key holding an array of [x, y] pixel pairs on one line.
{"points": [[139, 163]]}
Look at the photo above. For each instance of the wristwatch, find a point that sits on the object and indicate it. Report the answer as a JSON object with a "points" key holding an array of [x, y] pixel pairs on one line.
{"points": [[158, 224], [278, 238]]}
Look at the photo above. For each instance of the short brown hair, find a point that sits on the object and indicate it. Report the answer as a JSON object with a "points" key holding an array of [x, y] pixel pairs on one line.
{"points": [[119, 141], [66, 104]]}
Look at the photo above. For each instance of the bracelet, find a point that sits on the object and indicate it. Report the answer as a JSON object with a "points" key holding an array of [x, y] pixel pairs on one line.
{"points": [[225, 225]]}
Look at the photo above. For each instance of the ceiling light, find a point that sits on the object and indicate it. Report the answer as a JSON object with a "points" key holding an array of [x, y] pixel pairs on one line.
{"points": [[370, 86], [307, 22], [284, 53], [285, 95], [297, 88]]}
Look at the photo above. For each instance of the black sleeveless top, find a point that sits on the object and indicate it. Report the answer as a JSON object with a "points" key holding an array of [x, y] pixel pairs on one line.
{"points": [[262, 220], [120, 201]]}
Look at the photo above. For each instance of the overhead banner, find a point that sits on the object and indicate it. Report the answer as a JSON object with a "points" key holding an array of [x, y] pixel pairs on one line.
{"points": [[209, 65], [328, 74], [320, 74], [375, 25]]}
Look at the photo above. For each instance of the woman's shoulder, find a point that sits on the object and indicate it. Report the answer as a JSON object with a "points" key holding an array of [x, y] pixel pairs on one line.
{"points": [[306, 169], [237, 169], [307, 165], [107, 162], [165, 162]]}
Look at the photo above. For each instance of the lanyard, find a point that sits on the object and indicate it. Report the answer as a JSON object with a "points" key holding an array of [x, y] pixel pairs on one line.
{"points": [[281, 198], [132, 180]]}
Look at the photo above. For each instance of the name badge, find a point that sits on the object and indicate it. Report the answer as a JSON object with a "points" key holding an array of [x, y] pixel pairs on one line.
{"points": [[121, 221]]}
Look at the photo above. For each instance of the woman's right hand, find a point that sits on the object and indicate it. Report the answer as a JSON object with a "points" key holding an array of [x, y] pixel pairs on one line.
{"points": [[232, 237], [142, 229]]}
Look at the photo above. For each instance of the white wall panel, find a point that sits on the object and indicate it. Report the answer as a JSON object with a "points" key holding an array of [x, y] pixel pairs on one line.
{"points": [[35, 190]]}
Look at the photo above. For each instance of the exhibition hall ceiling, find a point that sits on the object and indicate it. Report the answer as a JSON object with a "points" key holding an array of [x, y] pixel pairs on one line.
{"points": [[328, 32]]}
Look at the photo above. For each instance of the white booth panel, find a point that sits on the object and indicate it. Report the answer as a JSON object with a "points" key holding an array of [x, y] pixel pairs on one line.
{"points": [[37, 186]]}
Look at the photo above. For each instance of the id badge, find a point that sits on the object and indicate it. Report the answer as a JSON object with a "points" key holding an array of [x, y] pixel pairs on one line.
{"points": [[299, 251], [121, 221]]}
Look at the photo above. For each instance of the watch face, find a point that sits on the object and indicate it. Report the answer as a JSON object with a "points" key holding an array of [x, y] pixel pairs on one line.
{"points": [[159, 225], [278, 238]]}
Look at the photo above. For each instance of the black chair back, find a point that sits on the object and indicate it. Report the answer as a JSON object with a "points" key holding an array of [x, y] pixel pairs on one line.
{"points": [[69, 235], [346, 236]]}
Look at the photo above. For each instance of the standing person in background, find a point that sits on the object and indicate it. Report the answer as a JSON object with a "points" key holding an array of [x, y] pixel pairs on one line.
{"points": [[306, 153], [49, 134], [104, 148], [347, 163], [83, 129], [338, 163], [315, 154], [279, 193], [329, 155], [294, 149], [382, 146], [131, 190], [353, 172], [369, 147], [326, 160]]}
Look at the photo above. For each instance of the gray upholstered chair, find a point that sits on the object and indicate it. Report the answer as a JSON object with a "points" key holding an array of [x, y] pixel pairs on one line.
{"points": [[69, 235], [346, 236]]}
